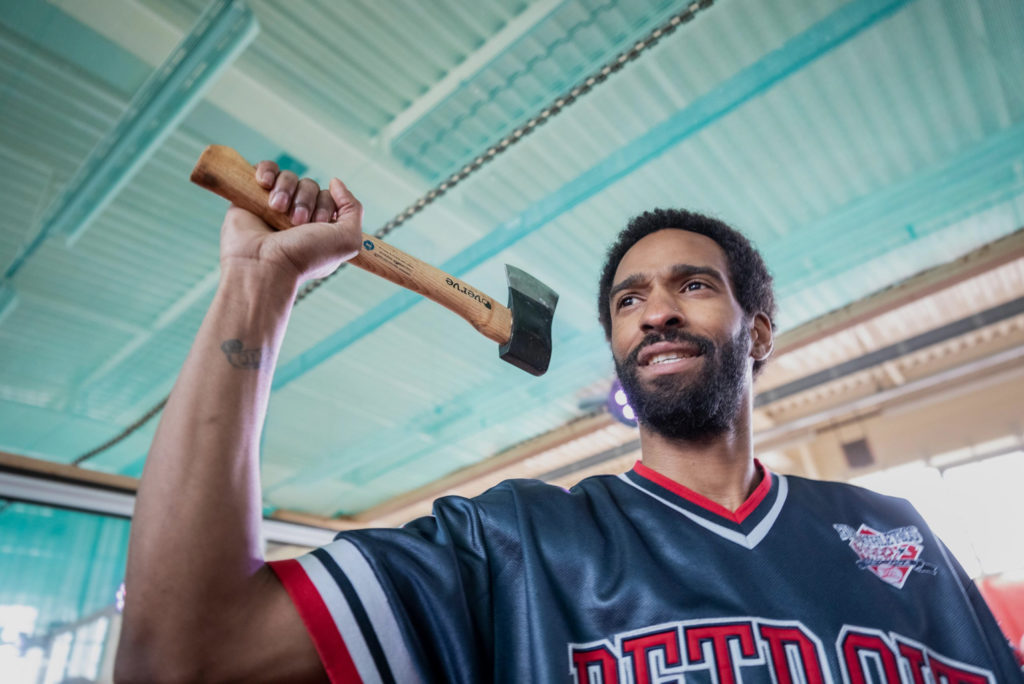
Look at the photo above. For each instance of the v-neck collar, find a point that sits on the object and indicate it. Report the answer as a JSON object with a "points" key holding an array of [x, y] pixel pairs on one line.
{"points": [[746, 526]]}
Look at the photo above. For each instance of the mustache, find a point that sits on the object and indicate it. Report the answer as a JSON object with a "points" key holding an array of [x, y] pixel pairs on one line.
{"points": [[705, 346]]}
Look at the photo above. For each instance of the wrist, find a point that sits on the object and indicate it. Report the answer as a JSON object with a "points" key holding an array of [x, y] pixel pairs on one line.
{"points": [[262, 294], [267, 282]]}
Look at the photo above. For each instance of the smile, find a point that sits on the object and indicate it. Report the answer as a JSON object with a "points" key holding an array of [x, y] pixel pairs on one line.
{"points": [[667, 353], [668, 358]]}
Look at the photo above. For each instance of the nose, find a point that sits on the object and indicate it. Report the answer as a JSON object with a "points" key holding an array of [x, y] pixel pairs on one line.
{"points": [[661, 311]]}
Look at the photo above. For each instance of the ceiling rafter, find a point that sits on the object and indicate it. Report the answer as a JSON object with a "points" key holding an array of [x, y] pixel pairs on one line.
{"points": [[518, 27]]}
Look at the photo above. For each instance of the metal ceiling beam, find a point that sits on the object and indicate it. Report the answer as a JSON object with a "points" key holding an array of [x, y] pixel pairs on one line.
{"points": [[8, 300], [978, 261], [878, 357], [592, 460], [79, 497], [1002, 366], [750, 82], [144, 33], [60, 471], [219, 35], [473, 63]]}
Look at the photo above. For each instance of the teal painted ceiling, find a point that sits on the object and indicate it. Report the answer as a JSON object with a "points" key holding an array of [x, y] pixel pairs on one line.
{"points": [[856, 142]]}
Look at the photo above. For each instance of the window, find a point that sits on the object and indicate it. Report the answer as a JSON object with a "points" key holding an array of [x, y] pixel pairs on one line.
{"points": [[976, 507]]}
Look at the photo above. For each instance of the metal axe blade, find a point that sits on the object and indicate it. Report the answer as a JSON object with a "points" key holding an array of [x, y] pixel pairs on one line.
{"points": [[533, 307]]}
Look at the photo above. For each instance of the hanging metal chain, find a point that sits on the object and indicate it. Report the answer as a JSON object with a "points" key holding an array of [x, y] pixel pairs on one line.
{"points": [[146, 417], [543, 116]]}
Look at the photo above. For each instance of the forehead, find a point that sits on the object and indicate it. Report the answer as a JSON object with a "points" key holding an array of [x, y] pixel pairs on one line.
{"points": [[660, 251]]}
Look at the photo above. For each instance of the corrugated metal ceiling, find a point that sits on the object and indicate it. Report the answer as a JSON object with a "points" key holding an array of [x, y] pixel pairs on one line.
{"points": [[856, 142]]}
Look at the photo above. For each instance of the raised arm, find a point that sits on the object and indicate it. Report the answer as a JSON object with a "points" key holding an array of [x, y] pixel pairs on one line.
{"points": [[201, 604]]}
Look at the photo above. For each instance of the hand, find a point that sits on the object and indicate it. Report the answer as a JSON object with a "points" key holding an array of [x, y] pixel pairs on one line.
{"points": [[310, 249]]}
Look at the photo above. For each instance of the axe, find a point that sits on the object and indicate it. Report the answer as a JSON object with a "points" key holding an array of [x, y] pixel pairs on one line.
{"points": [[522, 329]]}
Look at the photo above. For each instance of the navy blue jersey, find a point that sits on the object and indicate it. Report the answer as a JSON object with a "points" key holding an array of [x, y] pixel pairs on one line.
{"points": [[636, 579]]}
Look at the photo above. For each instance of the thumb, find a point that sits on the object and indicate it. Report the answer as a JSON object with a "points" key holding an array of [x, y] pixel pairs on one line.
{"points": [[344, 200]]}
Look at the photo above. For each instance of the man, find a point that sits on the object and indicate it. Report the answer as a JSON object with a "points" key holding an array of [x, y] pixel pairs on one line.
{"points": [[698, 565]]}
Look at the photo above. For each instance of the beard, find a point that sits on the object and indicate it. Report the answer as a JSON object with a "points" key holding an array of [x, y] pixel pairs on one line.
{"points": [[691, 411]]}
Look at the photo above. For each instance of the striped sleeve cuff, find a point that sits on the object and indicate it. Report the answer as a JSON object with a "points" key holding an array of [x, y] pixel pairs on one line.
{"points": [[348, 615]]}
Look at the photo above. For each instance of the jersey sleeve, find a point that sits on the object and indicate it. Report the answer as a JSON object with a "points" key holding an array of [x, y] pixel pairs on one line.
{"points": [[999, 646], [410, 604]]}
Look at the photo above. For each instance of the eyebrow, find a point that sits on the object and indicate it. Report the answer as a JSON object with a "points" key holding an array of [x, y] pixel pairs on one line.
{"points": [[678, 271]]}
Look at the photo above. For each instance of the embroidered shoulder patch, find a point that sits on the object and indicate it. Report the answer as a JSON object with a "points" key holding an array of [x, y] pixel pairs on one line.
{"points": [[890, 556]]}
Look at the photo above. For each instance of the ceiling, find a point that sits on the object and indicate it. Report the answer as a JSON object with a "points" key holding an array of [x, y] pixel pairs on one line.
{"points": [[856, 143]]}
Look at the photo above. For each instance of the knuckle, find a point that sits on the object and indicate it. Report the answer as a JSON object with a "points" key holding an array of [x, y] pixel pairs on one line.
{"points": [[266, 173]]}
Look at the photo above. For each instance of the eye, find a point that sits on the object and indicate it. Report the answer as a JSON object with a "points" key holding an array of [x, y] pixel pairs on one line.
{"points": [[624, 301], [694, 285]]}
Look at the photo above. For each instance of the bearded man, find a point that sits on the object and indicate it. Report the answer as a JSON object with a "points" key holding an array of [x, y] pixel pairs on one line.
{"points": [[697, 565]]}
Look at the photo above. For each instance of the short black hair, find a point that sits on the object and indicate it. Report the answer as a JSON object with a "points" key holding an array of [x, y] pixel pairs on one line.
{"points": [[750, 278]]}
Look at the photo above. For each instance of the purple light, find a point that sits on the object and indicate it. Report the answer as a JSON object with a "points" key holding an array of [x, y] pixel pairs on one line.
{"points": [[618, 405]]}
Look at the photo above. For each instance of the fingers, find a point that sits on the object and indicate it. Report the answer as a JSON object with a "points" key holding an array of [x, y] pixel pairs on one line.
{"points": [[303, 200], [306, 195], [325, 208], [284, 190], [266, 173]]}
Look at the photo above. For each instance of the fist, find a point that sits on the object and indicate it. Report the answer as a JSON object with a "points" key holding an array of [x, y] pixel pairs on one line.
{"points": [[302, 200], [327, 227]]}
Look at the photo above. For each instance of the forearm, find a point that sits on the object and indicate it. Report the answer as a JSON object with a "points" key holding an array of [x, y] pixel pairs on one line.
{"points": [[195, 545]]}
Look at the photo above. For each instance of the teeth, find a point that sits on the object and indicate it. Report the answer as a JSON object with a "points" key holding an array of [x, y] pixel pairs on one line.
{"points": [[666, 358]]}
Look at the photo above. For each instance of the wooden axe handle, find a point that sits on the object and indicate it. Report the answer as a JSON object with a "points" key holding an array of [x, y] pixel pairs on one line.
{"points": [[225, 172]]}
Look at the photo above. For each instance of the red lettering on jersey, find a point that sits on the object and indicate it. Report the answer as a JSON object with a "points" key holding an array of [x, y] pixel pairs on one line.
{"points": [[639, 648], [720, 635], [915, 659], [857, 647], [778, 639], [600, 658], [920, 661], [947, 672], [789, 650]]}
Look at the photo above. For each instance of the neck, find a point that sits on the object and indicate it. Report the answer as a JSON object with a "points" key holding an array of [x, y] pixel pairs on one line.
{"points": [[720, 467]]}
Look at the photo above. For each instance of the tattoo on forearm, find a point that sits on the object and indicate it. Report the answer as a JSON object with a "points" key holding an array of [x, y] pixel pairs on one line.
{"points": [[238, 356]]}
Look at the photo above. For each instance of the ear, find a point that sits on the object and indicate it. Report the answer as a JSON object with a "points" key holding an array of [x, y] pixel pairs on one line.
{"points": [[762, 337]]}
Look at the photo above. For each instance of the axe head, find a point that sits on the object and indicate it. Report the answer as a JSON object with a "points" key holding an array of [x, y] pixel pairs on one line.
{"points": [[533, 306]]}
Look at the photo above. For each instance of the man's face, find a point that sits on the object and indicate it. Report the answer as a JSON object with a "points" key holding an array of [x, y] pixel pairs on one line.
{"points": [[680, 340]]}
